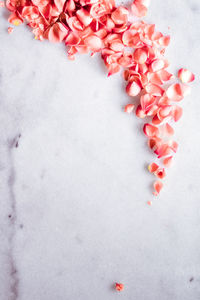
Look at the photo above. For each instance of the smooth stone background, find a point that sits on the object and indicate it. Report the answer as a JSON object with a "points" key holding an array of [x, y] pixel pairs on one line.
{"points": [[73, 212]]}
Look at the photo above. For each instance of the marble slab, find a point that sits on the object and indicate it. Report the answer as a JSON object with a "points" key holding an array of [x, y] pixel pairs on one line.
{"points": [[73, 180]]}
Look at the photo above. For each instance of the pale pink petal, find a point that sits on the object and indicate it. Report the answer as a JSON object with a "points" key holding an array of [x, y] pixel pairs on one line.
{"points": [[129, 108], [2, 4], [165, 75], [164, 41], [10, 30], [154, 90], [167, 161], [84, 16], [177, 91], [93, 42], [120, 15], [168, 129], [173, 145], [138, 9], [150, 130], [139, 112], [177, 113], [158, 185], [186, 76], [157, 65], [133, 89], [163, 150], [140, 56]]}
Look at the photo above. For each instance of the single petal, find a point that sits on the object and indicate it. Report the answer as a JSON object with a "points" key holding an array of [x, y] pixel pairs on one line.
{"points": [[167, 161], [153, 167], [160, 173], [158, 185], [177, 112], [138, 9], [186, 76], [120, 15], [10, 30], [84, 16], [139, 112], [157, 65], [176, 92], [133, 89], [140, 56], [129, 108], [150, 130], [154, 90], [93, 42]]}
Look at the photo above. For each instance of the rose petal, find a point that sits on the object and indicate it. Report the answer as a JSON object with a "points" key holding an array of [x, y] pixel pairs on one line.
{"points": [[140, 56], [160, 173], [150, 130], [153, 167], [129, 108], [186, 76], [158, 185], [167, 161], [133, 89]]}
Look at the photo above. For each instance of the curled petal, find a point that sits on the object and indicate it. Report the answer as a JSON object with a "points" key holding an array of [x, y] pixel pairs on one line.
{"points": [[150, 130], [72, 39], [160, 173], [10, 30], [158, 185], [15, 19], [186, 76], [84, 16], [120, 15], [167, 161], [153, 167], [139, 112], [129, 108], [133, 89], [165, 75], [163, 150], [154, 143], [56, 33], [147, 101]]}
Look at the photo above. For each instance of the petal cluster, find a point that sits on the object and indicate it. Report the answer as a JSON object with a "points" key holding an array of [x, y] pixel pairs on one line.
{"points": [[137, 48]]}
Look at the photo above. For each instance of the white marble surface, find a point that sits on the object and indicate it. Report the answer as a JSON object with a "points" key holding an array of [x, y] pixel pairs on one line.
{"points": [[73, 213]]}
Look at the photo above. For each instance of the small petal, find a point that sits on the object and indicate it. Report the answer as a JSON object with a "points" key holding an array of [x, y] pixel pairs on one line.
{"points": [[10, 30], [186, 76], [133, 89], [177, 113], [119, 287], [150, 130], [140, 56], [160, 173], [167, 161], [153, 167], [129, 108], [158, 185]]}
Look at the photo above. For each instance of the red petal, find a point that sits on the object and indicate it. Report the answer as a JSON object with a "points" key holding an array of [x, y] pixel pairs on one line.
{"points": [[150, 130]]}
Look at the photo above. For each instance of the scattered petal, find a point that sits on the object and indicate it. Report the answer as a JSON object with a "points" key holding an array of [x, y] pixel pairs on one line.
{"points": [[158, 185], [167, 161], [186, 76], [150, 130], [129, 108], [153, 167], [119, 287], [10, 30]]}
